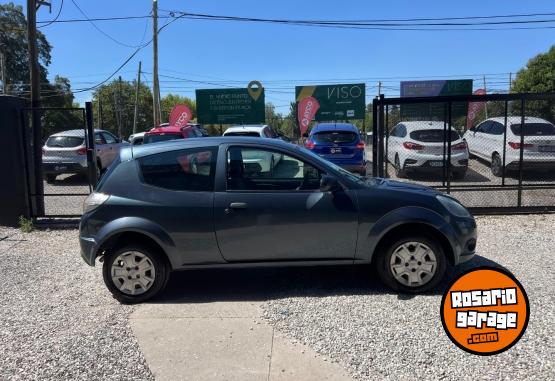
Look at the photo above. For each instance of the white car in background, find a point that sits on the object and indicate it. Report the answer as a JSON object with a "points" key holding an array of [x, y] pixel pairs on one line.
{"points": [[266, 160], [486, 141], [418, 146], [136, 139]]}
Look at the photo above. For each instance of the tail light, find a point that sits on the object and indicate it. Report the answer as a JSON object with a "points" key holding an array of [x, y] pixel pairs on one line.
{"points": [[309, 144], [360, 145], [514, 145], [82, 151], [410, 145], [459, 146]]}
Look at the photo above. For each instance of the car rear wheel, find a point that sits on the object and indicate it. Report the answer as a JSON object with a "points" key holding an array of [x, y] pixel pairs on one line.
{"points": [[399, 171], [415, 263], [496, 165], [135, 273]]}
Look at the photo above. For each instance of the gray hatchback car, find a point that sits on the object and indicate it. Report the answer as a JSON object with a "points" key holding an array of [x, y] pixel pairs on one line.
{"points": [[195, 203]]}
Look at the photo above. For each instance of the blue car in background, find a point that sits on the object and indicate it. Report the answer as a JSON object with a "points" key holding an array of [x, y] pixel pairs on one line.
{"points": [[339, 143]]}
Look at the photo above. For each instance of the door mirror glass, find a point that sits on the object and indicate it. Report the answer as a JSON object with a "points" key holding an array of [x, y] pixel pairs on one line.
{"points": [[329, 184]]}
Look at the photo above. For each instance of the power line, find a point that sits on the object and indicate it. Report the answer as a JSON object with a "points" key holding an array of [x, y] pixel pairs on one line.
{"points": [[55, 18]]}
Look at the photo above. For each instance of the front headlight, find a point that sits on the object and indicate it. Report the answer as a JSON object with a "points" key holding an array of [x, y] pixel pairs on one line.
{"points": [[453, 206], [94, 200]]}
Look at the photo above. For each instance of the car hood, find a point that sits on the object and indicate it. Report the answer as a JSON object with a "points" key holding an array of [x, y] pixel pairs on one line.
{"points": [[394, 185]]}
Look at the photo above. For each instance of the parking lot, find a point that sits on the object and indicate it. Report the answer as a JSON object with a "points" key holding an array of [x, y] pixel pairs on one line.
{"points": [[59, 321], [73, 190]]}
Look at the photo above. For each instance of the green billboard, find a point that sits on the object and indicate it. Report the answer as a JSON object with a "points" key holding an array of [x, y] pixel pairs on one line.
{"points": [[230, 106], [336, 102], [434, 111]]}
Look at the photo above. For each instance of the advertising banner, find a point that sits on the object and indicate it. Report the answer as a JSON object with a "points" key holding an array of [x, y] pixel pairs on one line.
{"points": [[180, 116], [306, 110], [474, 108], [231, 106], [434, 111], [337, 102]]}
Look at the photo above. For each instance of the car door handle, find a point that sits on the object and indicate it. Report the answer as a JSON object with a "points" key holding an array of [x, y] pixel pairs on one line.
{"points": [[238, 205]]}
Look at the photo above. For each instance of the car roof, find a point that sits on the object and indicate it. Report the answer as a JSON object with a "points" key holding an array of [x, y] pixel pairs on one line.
{"points": [[214, 141], [322, 127], [518, 120], [247, 128], [80, 133], [166, 130]]}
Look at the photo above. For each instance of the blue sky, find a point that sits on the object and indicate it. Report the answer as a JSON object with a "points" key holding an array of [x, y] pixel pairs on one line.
{"points": [[284, 56]]}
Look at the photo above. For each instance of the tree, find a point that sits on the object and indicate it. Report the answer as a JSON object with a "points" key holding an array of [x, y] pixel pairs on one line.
{"points": [[537, 77], [13, 43], [119, 98], [170, 100]]}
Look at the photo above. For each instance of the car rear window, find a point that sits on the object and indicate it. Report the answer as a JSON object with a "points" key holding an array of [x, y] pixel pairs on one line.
{"points": [[160, 138], [243, 133], [184, 170], [335, 137], [534, 129], [64, 141], [432, 136]]}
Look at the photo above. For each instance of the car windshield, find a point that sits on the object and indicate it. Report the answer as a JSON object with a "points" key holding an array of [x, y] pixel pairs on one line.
{"points": [[334, 137], [243, 133], [160, 138], [64, 141], [432, 136], [534, 129]]}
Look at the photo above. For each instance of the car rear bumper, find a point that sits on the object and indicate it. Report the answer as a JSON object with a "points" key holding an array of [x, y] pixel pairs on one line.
{"points": [[467, 235]]}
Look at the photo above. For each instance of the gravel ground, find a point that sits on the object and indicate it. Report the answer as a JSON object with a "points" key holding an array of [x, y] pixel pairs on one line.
{"points": [[378, 335], [57, 321]]}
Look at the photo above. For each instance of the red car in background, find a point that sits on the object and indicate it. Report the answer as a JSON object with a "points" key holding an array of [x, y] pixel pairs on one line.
{"points": [[163, 133]]}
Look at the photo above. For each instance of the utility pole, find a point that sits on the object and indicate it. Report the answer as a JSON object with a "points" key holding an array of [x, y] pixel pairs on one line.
{"points": [[485, 91], [136, 113], [99, 115], [509, 104], [379, 88], [34, 69], [118, 105], [155, 83]]}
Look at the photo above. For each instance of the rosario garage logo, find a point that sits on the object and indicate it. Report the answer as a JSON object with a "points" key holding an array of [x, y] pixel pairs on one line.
{"points": [[485, 311]]}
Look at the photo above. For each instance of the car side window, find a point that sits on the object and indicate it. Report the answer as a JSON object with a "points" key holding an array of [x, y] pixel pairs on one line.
{"points": [[402, 131], [484, 127], [98, 139], [183, 170], [254, 169], [497, 128], [109, 138]]}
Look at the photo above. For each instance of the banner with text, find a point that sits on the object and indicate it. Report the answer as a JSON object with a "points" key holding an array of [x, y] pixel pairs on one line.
{"points": [[337, 102], [230, 106]]}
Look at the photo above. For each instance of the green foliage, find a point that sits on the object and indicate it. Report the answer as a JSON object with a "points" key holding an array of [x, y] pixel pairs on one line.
{"points": [[537, 77], [170, 100], [25, 224], [13, 42], [118, 102]]}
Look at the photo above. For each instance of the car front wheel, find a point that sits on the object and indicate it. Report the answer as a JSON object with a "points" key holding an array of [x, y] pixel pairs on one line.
{"points": [[412, 264], [135, 273]]}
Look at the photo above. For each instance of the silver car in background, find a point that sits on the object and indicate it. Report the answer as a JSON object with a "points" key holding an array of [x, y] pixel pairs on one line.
{"points": [[66, 152]]}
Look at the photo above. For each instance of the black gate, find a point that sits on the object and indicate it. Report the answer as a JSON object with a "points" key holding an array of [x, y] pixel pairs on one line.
{"points": [[495, 153], [60, 160]]}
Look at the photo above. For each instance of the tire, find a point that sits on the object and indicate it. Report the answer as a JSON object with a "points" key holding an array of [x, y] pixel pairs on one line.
{"points": [[390, 257], [155, 278], [50, 178], [496, 165], [399, 172]]}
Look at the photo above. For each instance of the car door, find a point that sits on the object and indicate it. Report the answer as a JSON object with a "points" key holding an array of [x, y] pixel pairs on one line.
{"points": [[112, 147], [281, 215], [392, 144], [479, 141], [101, 149]]}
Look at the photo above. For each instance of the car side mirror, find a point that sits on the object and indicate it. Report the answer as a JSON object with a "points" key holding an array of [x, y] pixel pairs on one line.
{"points": [[329, 184]]}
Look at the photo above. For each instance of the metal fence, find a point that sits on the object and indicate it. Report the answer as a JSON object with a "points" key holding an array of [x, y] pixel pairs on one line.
{"points": [[501, 158], [60, 160]]}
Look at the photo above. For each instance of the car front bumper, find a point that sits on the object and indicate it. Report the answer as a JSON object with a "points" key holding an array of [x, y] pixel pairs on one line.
{"points": [[88, 249]]}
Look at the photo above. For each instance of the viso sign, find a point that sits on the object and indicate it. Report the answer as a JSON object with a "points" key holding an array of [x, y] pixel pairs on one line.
{"points": [[434, 111], [337, 102], [231, 106]]}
